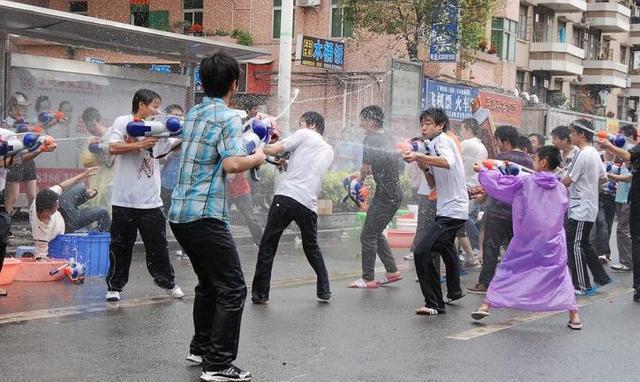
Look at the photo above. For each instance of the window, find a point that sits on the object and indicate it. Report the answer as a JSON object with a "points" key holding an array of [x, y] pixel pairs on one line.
{"points": [[340, 26], [573, 96], [623, 54], [503, 38], [562, 32], [522, 23], [520, 85], [542, 25], [193, 11], [277, 19], [621, 108], [140, 13], [79, 7]]}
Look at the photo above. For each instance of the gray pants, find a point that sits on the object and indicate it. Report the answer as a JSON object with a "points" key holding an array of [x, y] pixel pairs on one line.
{"points": [[379, 214], [624, 234]]}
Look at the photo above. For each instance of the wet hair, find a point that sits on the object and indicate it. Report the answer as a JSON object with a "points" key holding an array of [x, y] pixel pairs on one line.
{"points": [[629, 131], [580, 126], [506, 133], [438, 116], [91, 114], [314, 118], [561, 132], [145, 96], [171, 108], [39, 102], [472, 125], [64, 103], [217, 73], [539, 137], [551, 154], [373, 113], [46, 200], [524, 144]]}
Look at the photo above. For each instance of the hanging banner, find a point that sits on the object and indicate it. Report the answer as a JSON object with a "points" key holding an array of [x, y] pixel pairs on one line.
{"points": [[444, 33], [505, 110], [454, 99]]}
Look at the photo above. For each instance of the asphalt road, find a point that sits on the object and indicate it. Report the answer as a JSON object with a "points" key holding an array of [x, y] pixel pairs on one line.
{"points": [[63, 332]]}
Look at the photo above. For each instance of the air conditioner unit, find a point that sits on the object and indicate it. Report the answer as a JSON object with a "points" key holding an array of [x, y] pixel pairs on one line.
{"points": [[307, 3]]}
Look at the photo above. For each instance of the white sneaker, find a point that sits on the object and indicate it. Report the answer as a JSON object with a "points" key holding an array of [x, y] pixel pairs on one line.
{"points": [[620, 268], [176, 292], [112, 295], [196, 359], [409, 256]]}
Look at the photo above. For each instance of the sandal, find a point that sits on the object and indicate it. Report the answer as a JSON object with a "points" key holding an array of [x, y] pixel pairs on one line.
{"points": [[480, 314], [3, 292], [364, 284], [424, 311], [388, 280], [575, 325], [91, 193]]}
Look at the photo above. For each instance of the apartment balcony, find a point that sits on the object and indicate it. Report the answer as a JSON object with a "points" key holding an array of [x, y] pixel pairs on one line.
{"points": [[604, 72], [609, 17], [634, 33], [560, 59], [633, 86], [565, 6]]}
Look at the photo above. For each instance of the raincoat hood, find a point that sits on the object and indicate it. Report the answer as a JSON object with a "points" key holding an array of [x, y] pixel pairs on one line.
{"points": [[546, 180]]}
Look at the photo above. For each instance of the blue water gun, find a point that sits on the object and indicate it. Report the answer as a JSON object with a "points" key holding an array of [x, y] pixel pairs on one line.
{"points": [[159, 127]]}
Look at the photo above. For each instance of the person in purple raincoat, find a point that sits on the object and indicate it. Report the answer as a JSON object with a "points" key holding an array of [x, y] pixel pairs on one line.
{"points": [[533, 275]]}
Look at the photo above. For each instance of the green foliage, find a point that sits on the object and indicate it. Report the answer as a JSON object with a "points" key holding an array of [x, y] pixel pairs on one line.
{"points": [[557, 99], [411, 20], [243, 37], [220, 32]]}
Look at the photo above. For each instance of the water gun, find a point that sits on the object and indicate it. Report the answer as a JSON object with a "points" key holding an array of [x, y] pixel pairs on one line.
{"points": [[612, 169], [47, 118], [257, 133], [417, 145], [73, 270], [159, 127], [506, 168], [28, 142], [99, 147], [357, 191], [618, 140]]}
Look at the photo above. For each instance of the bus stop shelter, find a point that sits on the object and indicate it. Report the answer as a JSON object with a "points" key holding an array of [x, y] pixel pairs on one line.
{"points": [[88, 32]]}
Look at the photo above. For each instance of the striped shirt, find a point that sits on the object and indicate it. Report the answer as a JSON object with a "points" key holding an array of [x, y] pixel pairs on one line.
{"points": [[211, 132]]}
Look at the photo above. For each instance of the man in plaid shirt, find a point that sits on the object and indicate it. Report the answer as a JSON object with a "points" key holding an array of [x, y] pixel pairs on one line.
{"points": [[212, 148]]}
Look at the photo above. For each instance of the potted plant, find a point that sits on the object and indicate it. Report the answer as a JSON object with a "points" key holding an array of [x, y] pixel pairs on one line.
{"points": [[196, 29], [492, 50]]}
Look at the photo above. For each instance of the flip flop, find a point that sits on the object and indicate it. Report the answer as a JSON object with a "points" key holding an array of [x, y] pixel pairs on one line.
{"points": [[363, 284], [388, 280], [574, 325], [91, 193], [424, 311]]}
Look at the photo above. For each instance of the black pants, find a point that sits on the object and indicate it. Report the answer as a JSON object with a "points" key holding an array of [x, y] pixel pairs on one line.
{"points": [[604, 222], [438, 242], [583, 256], [76, 217], [497, 232], [220, 293], [283, 211], [634, 220], [5, 227], [124, 230]]}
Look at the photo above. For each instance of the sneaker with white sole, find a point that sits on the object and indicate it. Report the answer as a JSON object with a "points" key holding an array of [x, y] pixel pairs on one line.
{"points": [[232, 373], [176, 292], [112, 295], [620, 268], [409, 256], [195, 359]]}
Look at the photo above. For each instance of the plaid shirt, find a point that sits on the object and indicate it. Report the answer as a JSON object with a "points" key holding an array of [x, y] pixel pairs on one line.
{"points": [[211, 133]]}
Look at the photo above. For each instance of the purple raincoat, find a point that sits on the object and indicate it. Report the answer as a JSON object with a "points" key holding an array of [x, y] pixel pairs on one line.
{"points": [[533, 275]]}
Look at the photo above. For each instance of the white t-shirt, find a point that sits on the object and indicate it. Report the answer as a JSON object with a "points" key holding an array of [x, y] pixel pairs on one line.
{"points": [[136, 175], [43, 232], [473, 151], [424, 188], [585, 171], [453, 199], [4, 133], [310, 159]]}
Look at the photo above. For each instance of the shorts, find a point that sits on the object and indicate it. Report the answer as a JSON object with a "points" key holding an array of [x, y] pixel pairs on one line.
{"points": [[22, 172]]}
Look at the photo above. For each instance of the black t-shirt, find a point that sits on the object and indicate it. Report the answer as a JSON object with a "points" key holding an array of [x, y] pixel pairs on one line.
{"points": [[379, 152], [634, 191]]}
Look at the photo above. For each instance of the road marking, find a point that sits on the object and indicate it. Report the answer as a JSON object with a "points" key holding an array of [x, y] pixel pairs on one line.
{"points": [[482, 330], [18, 317]]}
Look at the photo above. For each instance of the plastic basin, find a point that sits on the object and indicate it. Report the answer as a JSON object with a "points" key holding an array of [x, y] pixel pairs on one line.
{"points": [[38, 271], [10, 268], [399, 238]]}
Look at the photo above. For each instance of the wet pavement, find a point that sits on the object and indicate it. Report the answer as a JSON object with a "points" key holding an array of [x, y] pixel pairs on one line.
{"points": [[62, 332]]}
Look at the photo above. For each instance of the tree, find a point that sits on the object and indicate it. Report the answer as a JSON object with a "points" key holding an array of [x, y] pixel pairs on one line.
{"points": [[412, 20]]}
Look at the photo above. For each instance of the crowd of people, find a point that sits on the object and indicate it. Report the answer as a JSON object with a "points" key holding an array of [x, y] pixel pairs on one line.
{"points": [[538, 236]]}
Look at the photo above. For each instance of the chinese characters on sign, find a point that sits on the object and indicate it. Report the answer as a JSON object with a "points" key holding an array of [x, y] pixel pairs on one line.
{"points": [[444, 33], [320, 53], [504, 110], [454, 99]]}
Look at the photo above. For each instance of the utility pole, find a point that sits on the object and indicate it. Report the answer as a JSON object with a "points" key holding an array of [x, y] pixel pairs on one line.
{"points": [[284, 63]]}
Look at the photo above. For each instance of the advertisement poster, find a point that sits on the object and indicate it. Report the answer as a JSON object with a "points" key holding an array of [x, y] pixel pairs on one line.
{"points": [[454, 99]]}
